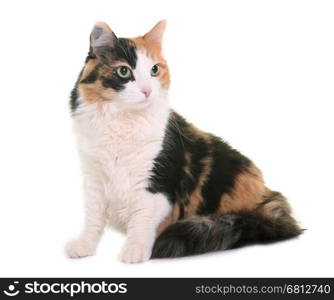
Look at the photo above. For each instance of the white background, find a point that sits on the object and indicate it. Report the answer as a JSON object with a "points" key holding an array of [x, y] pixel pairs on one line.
{"points": [[258, 73]]}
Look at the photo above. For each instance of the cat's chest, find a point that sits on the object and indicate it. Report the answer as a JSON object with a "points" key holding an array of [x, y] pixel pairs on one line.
{"points": [[122, 150], [117, 145]]}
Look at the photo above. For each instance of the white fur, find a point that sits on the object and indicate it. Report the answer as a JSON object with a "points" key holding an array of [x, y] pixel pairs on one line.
{"points": [[118, 143], [132, 95]]}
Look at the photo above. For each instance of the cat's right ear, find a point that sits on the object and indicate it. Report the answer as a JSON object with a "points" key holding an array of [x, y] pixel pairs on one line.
{"points": [[102, 39]]}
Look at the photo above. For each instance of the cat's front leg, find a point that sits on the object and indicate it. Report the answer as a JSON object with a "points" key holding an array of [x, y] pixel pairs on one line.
{"points": [[146, 215], [95, 220]]}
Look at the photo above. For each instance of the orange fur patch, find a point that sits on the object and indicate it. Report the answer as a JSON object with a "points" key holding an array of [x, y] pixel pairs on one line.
{"points": [[274, 204], [247, 192], [172, 218], [186, 169], [196, 198], [154, 51], [93, 92]]}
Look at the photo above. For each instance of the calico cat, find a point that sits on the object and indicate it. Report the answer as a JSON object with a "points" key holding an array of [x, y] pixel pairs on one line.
{"points": [[174, 189]]}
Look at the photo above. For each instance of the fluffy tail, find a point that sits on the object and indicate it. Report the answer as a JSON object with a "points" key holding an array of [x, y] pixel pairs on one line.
{"points": [[271, 221]]}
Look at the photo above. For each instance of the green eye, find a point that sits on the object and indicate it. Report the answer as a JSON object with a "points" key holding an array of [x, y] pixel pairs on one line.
{"points": [[123, 72], [155, 70]]}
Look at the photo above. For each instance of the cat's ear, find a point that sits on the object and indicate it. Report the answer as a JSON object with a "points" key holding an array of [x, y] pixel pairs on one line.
{"points": [[155, 35], [102, 39]]}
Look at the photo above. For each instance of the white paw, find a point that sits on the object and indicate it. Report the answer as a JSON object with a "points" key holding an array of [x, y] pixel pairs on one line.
{"points": [[79, 248], [136, 253]]}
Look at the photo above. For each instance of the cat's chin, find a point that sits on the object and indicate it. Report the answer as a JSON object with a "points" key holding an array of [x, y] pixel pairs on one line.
{"points": [[135, 105]]}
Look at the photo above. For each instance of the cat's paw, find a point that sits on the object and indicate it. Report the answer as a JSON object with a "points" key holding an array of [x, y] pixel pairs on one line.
{"points": [[78, 248], [135, 253]]}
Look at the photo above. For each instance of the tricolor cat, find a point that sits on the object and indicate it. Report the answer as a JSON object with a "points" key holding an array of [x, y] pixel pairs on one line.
{"points": [[174, 189]]}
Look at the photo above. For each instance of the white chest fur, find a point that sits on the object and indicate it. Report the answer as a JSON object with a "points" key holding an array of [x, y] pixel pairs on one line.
{"points": [[118, 150]]}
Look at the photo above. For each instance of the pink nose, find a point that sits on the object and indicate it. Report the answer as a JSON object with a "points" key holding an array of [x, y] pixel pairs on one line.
{"points": [[146, 92]]}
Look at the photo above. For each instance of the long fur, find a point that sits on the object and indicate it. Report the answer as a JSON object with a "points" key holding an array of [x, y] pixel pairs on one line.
{"points": [[174, 189], [199, 235]]}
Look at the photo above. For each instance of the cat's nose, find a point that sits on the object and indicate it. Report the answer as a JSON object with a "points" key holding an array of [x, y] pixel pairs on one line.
{"points": [[147, 92]]}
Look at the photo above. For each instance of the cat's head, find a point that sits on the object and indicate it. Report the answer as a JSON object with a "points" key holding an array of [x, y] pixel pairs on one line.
{"points": [[128, 72]]}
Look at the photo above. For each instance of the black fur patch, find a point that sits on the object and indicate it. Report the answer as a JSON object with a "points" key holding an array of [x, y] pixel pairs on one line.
{"points": [[115, 82], [186, 237], [92, 76], [226, 165], [74, 103], [122, 50], [126, 50], [205, 234], [169, 176]]}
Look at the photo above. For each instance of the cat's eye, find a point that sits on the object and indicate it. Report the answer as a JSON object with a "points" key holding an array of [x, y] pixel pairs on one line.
{"points": [[155, 71], [123, 72]]}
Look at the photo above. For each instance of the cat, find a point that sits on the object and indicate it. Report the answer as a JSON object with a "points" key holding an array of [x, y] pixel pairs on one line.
{"points": [[174, 189]]}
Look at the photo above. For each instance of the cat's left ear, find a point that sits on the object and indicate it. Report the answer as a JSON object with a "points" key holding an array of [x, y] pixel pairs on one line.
{"points": [[155, 35]]}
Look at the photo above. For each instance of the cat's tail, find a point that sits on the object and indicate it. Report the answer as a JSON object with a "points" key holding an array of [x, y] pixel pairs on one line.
{"points": [[271, 221]]}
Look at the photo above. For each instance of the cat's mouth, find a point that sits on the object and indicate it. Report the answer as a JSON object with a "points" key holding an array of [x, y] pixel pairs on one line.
{"points": [[135, 104], [144, 102], [136, 101]]}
